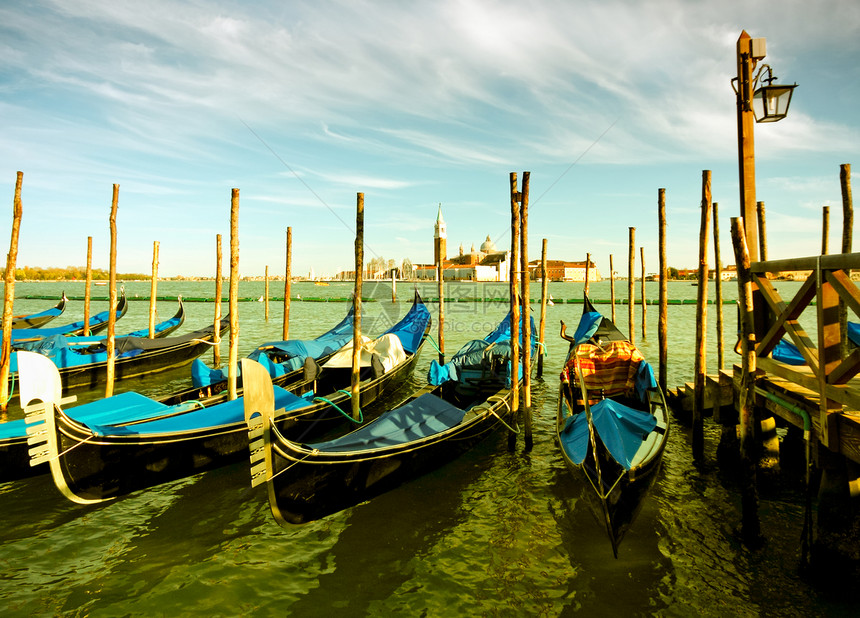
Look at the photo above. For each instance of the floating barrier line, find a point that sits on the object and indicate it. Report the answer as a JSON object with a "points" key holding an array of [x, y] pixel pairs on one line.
{"points": [[318, 299]]}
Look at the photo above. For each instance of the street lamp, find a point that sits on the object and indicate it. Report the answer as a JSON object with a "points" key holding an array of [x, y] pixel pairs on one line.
{"points": [[758, 100], [770, 101]]}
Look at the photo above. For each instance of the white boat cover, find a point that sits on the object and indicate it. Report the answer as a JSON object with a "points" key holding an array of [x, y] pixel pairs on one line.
{"points": [[387, 347]]}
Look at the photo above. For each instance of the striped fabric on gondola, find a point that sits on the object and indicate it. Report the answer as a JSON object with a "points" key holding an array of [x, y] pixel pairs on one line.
{"points": [[609, 369]]}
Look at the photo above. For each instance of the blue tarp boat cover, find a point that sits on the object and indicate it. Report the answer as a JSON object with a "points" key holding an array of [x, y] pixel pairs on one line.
{"points": [[421, 418], [123, 408], [296, 351], [497, 343], [39, 333], [410, 330], [227, 413], [786, 352], [588, 325], [77, 351], [620, 428]]}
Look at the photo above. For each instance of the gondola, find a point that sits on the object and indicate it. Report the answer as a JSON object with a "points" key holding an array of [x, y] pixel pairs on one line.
{"points": [[84, 366], [36, 320], [14, 458], [465, 401], [130, 442], [612, 422], [97, 323]]}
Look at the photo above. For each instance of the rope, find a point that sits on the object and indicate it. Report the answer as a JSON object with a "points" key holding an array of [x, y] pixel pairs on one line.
{"points": [[336, 407], [433, 342], [542, 346], [298, 461], [494, 413], [11, 389]]}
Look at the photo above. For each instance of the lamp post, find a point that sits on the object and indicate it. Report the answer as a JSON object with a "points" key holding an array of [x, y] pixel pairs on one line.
{"points": [[759, 100]]}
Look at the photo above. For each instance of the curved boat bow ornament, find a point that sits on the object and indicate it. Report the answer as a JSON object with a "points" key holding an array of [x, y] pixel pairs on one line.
{"points": [[41, 383]]}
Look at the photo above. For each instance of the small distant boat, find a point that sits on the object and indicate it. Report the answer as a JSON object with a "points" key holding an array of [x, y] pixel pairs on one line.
{"points": [[321, 283], [612, 422], [549, 301], [35, 320]]}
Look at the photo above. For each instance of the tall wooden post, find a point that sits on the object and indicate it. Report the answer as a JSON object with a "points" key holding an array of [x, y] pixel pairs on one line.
{"points": [[440, 288], [762, 230], [356, 306], [266, 294], [750, 527], [585, 288], [718, 284], [631, 281], [88, 286], [393, 286], [746, 142], [644, 300], [153, 289], [526, 313], [288, 275], [612, 287], [515, 307], [663, 318], [847, 241], [825, 229], [9, 296], [544, 294], [219, 280], [698, 437], [111, 329], [233, 353]]}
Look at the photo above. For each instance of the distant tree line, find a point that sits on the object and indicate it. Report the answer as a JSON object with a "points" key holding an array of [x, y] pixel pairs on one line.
{"points": [[69, 273]]}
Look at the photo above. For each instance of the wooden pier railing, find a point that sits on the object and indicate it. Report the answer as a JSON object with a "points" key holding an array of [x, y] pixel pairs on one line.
{"points": [[826, 385]]}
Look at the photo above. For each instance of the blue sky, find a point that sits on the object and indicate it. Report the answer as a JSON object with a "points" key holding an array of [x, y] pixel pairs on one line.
{"points": [[303, 104]]}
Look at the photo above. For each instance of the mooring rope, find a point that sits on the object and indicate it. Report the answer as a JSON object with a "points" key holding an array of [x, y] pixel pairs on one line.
{"points": [[494, 413], [336, 407]]}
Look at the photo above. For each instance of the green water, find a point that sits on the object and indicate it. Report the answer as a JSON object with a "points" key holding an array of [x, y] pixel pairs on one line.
{"points": [[494, 533]]}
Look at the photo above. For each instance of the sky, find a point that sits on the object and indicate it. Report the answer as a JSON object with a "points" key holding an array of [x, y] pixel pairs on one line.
{"points": [[301, 105]]}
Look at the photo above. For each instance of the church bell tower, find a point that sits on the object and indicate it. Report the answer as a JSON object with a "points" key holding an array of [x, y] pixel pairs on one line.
{"points": [[440, 239]]}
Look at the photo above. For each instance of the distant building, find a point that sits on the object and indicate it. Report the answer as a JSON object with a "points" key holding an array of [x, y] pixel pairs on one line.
{"points": [[559, 270], [486, 264]]}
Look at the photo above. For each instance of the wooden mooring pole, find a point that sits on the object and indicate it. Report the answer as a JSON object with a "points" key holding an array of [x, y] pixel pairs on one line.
{"points": [[526, 304], [585, 288], [266, 294], [698, 438], [612, 287], [718, 287], [825, 229], [544, 294], [847, 240], [288, 275], [750, 524], [111, 329], [515, 308], [153, 289], [356, 307], [662, 320], [440, 287], [631, 281], [762, 231], [88, 285], [9, 296], [216, 350], [233, 353], [644, 305]]}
